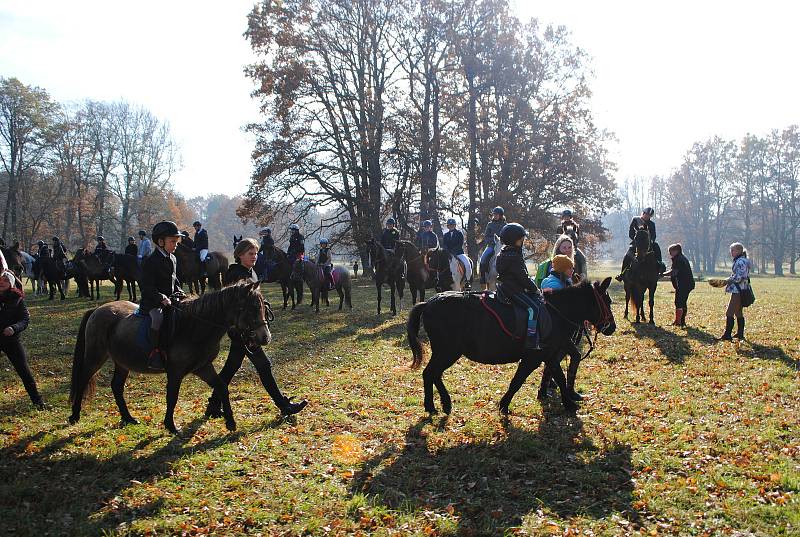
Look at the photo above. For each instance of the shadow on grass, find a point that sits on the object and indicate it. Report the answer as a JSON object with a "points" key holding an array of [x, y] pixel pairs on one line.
{"points": [[493, 485], [80, 492], [671, 344], [770, 352]]}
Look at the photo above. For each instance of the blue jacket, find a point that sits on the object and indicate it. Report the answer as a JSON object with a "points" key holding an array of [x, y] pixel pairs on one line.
{"points": [[427, 240], [201, 240], [453, 242], [492, 228], [553, 281]]}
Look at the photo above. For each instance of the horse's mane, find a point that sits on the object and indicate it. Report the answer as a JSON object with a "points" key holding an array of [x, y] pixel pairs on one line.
{"points": [[210, 305]]}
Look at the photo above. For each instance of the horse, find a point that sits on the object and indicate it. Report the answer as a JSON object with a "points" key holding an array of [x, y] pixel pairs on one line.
{"points": [[642, 276], [190, 270], [459, 324], [27, 270], [418, 274], [125, 269], [491, 278], [76, 269], [14, 258], [314, 277], [280, 272], [112, 331], [97, 268], [452, 274], [389, 268], [53, 276]]}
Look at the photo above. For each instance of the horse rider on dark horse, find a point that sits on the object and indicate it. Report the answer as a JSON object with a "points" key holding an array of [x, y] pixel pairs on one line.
{"points": [[427, 240], [390, 235], [325, 260], [297, 245], [493, 228], [645, 220], [101, 252], [160, 288], [60, 254], [201, 245]]}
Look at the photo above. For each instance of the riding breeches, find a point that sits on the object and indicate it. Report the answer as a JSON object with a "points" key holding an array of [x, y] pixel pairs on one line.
{"points": [[16, 354], [486, 258], [467, 266], [203, 254]]}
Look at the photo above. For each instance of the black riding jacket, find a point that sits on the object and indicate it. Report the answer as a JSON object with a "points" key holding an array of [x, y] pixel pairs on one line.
{"points": [[324, 257], [681, 273], [389, 237], [637, 222], [13, 313], [201, 240], [266, 242], [59, 252], [512, 274], [427, 240], [453, 242], [132, 249], [100, 249], [159, 280], [297, 245], [237, 272]]}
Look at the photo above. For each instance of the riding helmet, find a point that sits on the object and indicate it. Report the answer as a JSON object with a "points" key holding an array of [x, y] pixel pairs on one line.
{"points": [[566, 213], [391, 221], [56, 239], [100, 238], [265, 231], [427, 223], [142, 233], [512, 232], [40, 243], [323, 241], [131, 239], [451, 221], [498, 210], [294, 227], [165, 229], [197, 223], [649, 210]]}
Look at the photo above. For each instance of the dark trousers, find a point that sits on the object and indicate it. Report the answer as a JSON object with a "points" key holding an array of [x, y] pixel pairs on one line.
{"points": [[262, 365], [16, 354], [681, 297], [486, 258]]}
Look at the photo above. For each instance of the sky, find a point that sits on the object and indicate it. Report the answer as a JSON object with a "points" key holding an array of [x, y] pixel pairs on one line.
{"points": [[666, 74]]}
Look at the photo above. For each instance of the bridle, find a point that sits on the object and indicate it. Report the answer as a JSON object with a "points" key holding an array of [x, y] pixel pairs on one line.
{"points": [[606, 317]]}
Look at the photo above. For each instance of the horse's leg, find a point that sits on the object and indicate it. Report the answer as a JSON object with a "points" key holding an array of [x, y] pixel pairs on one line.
{"points": [[209, 375], [379, 288], [428, 375], [341, 296], [285, 292], [444, 395], [652, 299], [558, 376], [524, 369], [173, 388], [118, 387], [61, 290], [393, 301], [547, 377], [572, 372], [52, 287]]}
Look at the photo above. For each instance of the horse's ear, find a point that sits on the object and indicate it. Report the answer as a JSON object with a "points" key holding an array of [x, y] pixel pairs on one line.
{"points": [[605, 284]]}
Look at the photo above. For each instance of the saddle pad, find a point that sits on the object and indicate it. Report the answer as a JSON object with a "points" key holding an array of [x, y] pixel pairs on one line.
{"points": [[143, 331], [514, 320], [334, 277]]}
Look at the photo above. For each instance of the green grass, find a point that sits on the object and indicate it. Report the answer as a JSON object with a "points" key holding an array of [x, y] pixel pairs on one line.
{"points": [[677, 435]]}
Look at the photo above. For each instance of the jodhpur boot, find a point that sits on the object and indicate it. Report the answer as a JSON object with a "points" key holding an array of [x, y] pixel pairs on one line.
{"points": [[683, 318], [740, 328], [290, 407], [678, 317], [728, 329], [155, 361]]}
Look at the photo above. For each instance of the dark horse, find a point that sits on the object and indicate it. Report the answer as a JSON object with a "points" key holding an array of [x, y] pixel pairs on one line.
{"points": [[458, 325], [53, 275], [389, 269], [98, 268], [641, 276], [112, 331], [14, 259], [273, 266], [190, 271], [76, 269], [311, 273], [125, 269], [418, 274]]}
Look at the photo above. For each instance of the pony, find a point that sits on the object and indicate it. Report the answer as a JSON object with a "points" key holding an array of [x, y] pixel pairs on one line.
{"points": [[418, 274], [125, 269], [280, 272], [98, 268], [452, 276], [389, 269], [311, 273], [27, 270], [190, 269], [76, 269], [491, 278], [112, 331], [459, 324], [53, 276], [642, 276]]}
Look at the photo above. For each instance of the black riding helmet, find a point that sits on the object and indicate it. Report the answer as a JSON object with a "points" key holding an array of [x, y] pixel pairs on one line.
{"points": [[131, 239], [165, 229], [142, 233], [649, 210], [100, 238], [499, 210], [512, 232]]}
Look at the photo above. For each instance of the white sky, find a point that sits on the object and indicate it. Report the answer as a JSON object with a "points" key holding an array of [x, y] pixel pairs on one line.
{"points": [[666, 74]]}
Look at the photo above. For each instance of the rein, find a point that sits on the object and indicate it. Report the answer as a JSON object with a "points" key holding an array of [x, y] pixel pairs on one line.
{"points": [[605, 320]]}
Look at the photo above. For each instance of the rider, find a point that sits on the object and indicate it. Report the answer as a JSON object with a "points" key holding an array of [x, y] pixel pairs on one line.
{"points": [[325, 260], [44, 250], [642, 221], [492, 228], [245, 254], [453, 242], [145, 247], [201, 245], [131, 248], [159, 285], [426, 238], [59, 254], [297, 245], [267, 242], [514, 281], [569, 226], [390, 235], [101, 247]]}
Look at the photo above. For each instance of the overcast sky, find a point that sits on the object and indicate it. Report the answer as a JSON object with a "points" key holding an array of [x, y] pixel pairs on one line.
{"points": [[666, 74]]}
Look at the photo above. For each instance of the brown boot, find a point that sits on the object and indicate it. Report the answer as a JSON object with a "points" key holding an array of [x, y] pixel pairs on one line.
{"points": [[678, 317]]}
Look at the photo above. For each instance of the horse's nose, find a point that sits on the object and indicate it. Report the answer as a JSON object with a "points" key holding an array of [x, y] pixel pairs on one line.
{"points": [[263, 336]]}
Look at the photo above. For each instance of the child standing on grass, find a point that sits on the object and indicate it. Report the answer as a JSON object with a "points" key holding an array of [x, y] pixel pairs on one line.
{"points": [[682, 280]]}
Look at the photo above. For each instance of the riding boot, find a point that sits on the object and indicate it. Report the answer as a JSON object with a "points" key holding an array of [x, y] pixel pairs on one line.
{"points": [[626, 263], [156, 359], [683, 318], [678, 317], [728, 329], [203, 272], [290, 407], [740, 328]]}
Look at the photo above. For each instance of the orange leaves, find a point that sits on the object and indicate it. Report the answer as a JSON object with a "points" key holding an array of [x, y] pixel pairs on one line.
{"points": [[346, 449]]}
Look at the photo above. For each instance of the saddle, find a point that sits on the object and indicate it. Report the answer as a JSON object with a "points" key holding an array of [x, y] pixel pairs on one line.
{"points": [[513, 320], [332, 281]]}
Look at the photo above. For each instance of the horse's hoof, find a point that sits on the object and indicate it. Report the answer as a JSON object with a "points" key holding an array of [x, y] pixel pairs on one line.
{"points": [[129, 421], [230, 425], [431, 410], [171, 428], [575, 396], [504, 410], [73, 420], [570, 407]]}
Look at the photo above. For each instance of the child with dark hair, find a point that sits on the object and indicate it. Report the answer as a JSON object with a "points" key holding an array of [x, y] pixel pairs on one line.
{"points": [[682, 280]]}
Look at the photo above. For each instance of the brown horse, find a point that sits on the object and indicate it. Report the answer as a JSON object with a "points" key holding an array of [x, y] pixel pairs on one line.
{"points": [[113, 331], [311, 273], [419, 275], [190, 270], [97, 269], [389, 269], [273, 266]]}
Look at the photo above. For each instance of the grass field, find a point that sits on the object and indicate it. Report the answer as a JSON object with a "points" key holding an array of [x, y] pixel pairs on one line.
{"points": [[677, 435]]}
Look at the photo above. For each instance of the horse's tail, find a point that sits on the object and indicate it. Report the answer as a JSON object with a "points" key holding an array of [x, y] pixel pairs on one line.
{"points": [[78, 363], [633, 304], [412, 331]]}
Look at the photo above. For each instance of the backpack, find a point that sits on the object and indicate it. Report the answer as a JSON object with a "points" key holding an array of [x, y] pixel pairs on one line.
{"points": [[542, 271]]}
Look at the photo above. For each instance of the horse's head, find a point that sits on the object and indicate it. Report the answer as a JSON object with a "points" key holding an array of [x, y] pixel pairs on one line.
{"points": [[601, 316], [641, 242], [251, 314]]}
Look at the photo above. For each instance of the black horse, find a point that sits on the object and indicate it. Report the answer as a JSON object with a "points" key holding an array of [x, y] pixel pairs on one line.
{"points": [[273, 266], [112, 331], [125, 269], [419, 275], [389, 269], [98, 268], [642, 276], [54, 275], [458, 325]]}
